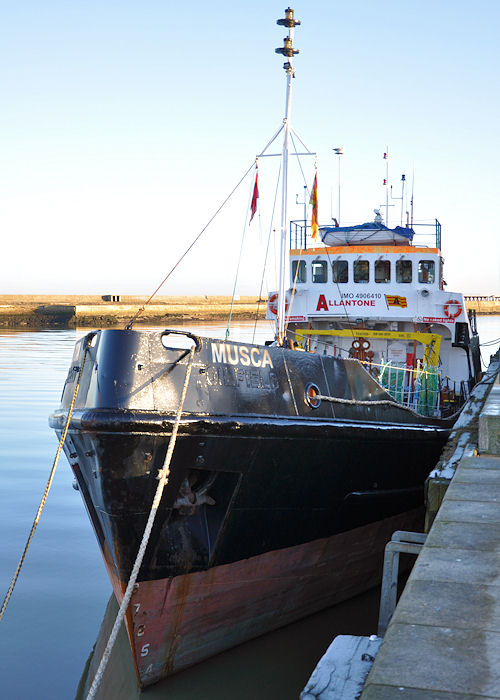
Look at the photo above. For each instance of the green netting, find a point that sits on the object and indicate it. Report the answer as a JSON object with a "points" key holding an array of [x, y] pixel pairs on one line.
{"points": [[393, 380], [427, 399], [418, 389]]}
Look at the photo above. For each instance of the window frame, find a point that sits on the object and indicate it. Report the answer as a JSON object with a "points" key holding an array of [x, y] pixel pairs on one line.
{"points": [[324, 266], [421, 271], [357, 263], [335, 276], [386, 280], [301, 264], [399, 276]]}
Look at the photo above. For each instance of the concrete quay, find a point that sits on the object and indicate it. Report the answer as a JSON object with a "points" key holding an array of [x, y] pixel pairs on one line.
{"points": [[483, 304], [93, 311], [443, 641]]}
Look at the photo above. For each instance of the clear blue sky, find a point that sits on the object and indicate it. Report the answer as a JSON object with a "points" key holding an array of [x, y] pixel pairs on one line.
{"points": [[125, 124]]}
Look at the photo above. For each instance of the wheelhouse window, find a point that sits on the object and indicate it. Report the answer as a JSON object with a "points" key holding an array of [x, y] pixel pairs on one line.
{"points": [[319, 273], [361, 271], [382, 271], [299, 271], [403, 271], [339, 270], [426, 271]]}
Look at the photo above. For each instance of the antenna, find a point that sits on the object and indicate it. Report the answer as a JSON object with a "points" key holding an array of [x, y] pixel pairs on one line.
{"points": [[340, 152], [386, 184], [305, 203], [411, 200], [403, 180]]}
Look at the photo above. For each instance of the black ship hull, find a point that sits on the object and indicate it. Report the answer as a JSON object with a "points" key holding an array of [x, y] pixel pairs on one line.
{"points": [[259, 474]]}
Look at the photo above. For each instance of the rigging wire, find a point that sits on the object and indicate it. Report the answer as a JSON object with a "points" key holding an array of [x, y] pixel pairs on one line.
{"points": [[267, 252], [489, 342], [348, 318], [143, 307], [294, 286], [239, 257], [342, 300], [294, 133]]}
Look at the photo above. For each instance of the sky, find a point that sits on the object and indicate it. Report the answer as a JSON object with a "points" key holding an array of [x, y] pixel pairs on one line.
{"points": [[124, 126]]}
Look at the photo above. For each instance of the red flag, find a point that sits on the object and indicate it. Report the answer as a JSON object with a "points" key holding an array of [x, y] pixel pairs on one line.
{"points": [[255, 196], [314, 202]]}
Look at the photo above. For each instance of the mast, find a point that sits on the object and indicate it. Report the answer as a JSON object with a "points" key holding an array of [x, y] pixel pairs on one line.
{"points": [[288, 51]]}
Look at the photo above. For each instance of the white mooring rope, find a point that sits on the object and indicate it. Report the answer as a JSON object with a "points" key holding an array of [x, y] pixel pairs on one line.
{"points": [[163, 475]]}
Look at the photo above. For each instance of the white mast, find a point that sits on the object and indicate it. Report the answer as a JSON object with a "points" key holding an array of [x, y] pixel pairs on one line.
{"points": [[288, 51]]}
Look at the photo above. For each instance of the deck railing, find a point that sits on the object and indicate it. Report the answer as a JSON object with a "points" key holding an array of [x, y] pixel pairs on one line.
{"points": [[300, 234], [423, 389]]}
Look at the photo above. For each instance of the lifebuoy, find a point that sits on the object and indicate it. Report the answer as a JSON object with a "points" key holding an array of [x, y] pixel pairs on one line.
{"points": [[273, 304], [450, 313]]}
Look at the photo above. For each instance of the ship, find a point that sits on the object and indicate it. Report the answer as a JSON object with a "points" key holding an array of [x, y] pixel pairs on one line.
{"points": [[285, 466]]}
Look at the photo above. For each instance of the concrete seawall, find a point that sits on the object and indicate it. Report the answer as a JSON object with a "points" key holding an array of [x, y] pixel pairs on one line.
{"points": [[69, 311], [484, 307], [443, 640]]}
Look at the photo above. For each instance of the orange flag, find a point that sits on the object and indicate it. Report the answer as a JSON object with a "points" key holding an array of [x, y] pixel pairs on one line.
{"points": [[314, 202]]}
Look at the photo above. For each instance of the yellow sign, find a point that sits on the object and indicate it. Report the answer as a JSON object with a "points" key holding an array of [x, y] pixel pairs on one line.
{"points": [[432, 341]]}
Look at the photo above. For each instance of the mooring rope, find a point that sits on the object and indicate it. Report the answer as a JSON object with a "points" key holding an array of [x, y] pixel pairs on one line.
{"points": [[47, 487], [163, 475], [356, 402]]}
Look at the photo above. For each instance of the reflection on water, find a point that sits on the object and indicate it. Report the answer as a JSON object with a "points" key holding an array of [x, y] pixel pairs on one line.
{"points": [[272, 667], [56, 610]]}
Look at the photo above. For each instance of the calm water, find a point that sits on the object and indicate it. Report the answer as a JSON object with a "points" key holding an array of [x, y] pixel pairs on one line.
{"points": [[56, 610]]}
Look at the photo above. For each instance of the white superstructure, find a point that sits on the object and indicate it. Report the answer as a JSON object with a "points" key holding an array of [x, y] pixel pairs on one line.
{"points": [[375, 296]]}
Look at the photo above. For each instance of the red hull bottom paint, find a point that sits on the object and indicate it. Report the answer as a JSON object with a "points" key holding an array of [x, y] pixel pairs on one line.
{"points": [[177, 622]]}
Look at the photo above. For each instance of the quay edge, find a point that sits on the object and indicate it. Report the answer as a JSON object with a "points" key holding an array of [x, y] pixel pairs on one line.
{"points": [[450, 607], [94, 311], [465, 433], [443, 639]]}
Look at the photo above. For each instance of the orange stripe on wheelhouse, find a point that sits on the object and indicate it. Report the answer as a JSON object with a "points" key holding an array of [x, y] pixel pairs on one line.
{"points": [[343, 249]]}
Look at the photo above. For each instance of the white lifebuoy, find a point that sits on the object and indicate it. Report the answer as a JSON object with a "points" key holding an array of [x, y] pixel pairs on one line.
{"points": [[273, 304], [450, 313]]}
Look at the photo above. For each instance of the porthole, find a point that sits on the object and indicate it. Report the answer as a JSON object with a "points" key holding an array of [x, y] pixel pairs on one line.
{"points": [[311, 393]]}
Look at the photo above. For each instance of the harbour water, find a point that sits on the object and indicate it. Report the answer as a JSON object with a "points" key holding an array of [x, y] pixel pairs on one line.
{"points": [[56, 610]]}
